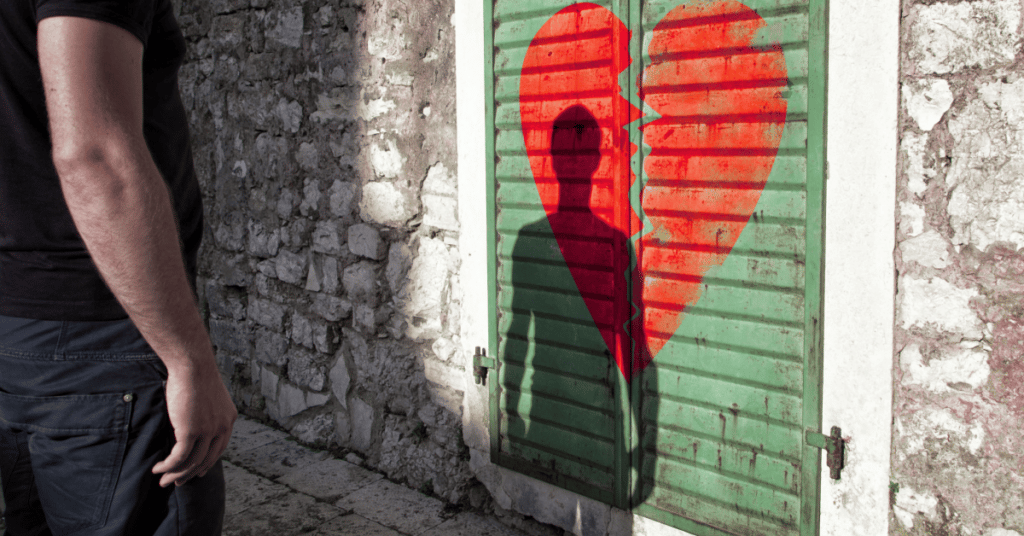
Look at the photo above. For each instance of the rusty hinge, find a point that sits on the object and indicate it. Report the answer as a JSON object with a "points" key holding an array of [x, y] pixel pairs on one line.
{"points": [[834, 445], [480, 365]]}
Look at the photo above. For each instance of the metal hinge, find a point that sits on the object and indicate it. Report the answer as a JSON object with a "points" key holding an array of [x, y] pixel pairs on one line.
{"points": [[834, 445], [480, 365]]}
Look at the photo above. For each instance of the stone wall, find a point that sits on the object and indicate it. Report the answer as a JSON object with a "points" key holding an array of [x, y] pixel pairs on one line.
{"points": [[324, 139], [958, 434]]}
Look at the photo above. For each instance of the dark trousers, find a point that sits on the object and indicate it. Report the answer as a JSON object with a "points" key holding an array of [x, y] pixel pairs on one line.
{"points": [[83, 420]]}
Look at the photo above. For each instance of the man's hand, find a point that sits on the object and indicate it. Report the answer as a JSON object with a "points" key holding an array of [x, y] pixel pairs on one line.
{"points": [[202, 415], [92, 74]]}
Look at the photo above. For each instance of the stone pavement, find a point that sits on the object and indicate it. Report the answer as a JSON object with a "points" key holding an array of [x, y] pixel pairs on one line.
{"points": [[277, 487]]}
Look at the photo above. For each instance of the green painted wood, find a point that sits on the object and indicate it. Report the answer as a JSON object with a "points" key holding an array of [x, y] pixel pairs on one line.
{"points": [[494, 392], [816, 172], [731, 459], [709, 438], [754, 401], [679, 413], [715, 485], [770, 372]]}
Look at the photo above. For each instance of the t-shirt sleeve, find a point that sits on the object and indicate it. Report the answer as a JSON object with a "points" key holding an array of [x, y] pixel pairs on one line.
{"points": [[135, 16]]}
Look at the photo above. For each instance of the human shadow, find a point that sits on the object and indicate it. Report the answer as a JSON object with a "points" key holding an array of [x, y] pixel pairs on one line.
{"points": [[576, 330]]}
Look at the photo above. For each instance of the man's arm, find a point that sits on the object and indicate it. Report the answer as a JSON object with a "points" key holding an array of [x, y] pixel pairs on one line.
{"points": [[92, 75]]}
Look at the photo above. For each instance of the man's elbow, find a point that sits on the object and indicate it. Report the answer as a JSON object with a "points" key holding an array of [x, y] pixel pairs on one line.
{"points": [[94, 167]]}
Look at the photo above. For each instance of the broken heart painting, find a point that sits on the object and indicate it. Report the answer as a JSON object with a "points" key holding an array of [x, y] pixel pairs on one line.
{"points": [[711, 117]]}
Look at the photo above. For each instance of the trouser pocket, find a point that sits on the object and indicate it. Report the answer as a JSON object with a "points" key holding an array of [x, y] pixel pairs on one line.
{"points": [[76, 445]]}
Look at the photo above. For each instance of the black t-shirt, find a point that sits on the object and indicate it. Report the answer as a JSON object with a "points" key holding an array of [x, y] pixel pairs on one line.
{"points": [[45, 270]]}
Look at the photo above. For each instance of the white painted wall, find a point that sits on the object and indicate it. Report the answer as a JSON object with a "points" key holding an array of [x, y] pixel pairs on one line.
{"points": [[859, 290], [859, 272]]}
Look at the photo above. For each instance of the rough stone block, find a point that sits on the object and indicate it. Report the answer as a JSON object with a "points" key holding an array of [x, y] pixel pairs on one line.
{"points": [[399, 262], [268, 384], [383, 203], [422, 298], [365, 241], [263, 243], [302, 330], [267, 268], [297, 234], [331, 308], [360, 282], [271, 348], [987, 201], [387, 161], [915, 146], [325, 337], [330, 279], [314, 277], [223, 302], [229, 336], [927, 101], [911, 218], [234, 271], [290, 115], [230, 234], [309, 159], [286, 202], [373, 109], [441, 212], [291, 401], [340, 381], [290, 267], [362, 424], [306, 370], [266, 313], [961, 369], [363, 318], [328, 237], [948, 37], [937, 304], [316, 430], [440, 181], [928, 249], [341, 195], [445, 373], [330, 479]]}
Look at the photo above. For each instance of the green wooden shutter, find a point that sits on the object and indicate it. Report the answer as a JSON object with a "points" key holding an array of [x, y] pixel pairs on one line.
{"points": [[710, 437]]}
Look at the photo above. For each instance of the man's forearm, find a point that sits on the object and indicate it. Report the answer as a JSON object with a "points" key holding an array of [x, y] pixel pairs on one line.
{"points": [[122, 210]]}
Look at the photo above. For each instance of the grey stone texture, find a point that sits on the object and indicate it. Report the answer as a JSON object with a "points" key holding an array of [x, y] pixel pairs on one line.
{"points": [[275, 486], [323, 136], [958, 405]]}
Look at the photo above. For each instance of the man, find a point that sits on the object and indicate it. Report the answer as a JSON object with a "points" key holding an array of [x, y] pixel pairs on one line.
{"points": [[112, 413]]}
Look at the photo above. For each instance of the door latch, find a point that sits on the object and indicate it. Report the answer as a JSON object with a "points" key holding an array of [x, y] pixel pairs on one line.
{"points": [[834, 445], [480, 365]]}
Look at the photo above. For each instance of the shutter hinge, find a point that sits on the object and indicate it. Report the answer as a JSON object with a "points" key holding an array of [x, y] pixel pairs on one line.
{"points": [[834, 445], [480, 365]]}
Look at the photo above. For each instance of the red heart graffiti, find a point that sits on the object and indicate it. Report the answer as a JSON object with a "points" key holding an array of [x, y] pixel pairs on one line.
{"points": [[711, 150]]}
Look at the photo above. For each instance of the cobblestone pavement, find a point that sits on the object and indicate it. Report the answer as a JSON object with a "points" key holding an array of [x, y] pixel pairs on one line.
{"points": [[277, 487]]}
